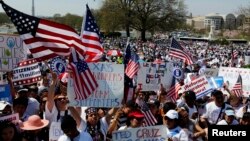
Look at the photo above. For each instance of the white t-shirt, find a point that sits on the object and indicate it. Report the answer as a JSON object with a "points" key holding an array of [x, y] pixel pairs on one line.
{"points": [[52, 116], [177, 134], [223, 122], [212, 112], [83, 136]]}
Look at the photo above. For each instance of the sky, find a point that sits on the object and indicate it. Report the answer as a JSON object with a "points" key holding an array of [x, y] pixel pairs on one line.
{"points": [[51, 7]]}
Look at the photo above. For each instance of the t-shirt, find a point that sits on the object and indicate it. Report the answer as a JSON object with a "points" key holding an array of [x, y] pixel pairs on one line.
{"points": [[212, 112], [83, 136], [177, 134], [53, 115], [33, 107]]}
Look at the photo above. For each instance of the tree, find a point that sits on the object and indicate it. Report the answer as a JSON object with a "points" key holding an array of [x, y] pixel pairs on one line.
{"points": [[4, 18], [245, 10]]}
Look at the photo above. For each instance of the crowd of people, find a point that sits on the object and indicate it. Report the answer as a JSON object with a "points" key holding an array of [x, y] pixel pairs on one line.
{"points": [[41, 104]]}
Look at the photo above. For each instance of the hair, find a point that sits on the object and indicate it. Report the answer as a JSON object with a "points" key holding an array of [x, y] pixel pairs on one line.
{"points": [[246, 116], [7, 124], [190, 95], [68, 122], [169, 106], [20, 101]]}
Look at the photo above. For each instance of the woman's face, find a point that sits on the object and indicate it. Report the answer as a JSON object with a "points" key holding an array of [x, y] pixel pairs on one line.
{"points": [[8, 133], [136, 122], [92, 118]]}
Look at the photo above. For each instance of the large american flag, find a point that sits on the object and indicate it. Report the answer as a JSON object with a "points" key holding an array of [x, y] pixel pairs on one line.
{"points": [[84, 83], [173, 90], [90, 36], [133, 65], [237, 88], [45, 39], [177, 51], [149, 119]]}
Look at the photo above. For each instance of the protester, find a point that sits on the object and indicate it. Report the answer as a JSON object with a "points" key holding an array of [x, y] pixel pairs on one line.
{"points": [[8, 132], [5, 108]]}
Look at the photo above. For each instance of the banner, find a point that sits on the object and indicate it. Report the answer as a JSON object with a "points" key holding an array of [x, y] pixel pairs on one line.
{"points": [[230, 76], [199, 85], [13, 118], [26, 73], [57, 65], [5, 94], [11, 51], [208, 72], [151, 76], [55, 131], [150, 133], [110, 79], [247, 60]]}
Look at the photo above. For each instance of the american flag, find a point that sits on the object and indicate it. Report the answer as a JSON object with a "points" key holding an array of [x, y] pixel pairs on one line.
{"points": [[149, 119], [133, 65], [84, 83], [237, 88], [235, 53], [45, 39], [90, 36], [173, 90], [177, 51]]}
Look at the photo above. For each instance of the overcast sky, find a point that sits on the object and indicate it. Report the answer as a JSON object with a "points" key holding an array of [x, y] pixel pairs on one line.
{"points": [[51, 7]]}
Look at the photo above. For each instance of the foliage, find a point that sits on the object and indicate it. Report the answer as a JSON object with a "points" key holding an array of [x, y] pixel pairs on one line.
{"points": [[4, 19], [221, 41]]}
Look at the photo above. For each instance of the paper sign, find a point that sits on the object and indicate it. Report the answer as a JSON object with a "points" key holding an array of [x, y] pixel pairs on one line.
{"points": [[110, 79], [151, 76], [5, 94], [58, 65], [11, 51], [55, 131], [216, 82], [199, 85], [13, 118], [26, 73], [150, 133]]}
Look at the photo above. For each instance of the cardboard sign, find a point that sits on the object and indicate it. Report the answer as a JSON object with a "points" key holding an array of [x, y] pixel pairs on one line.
{"points": [[199, 85], [26, 73], [11, 51], [5, 94], [110, 79], [151, 76], [58, 65], [13, 118], [152, 133], [230, 76], [55, 131]]}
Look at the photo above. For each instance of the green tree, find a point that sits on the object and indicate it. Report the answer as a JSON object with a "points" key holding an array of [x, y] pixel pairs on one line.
{"points": [[4, 18]]}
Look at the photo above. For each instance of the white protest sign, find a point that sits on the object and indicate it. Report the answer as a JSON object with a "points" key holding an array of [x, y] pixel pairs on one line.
{"points": [[152, 133], [151, 76], [27, 72], [11, 51], [110, 79], [230, 76], [55, 131], [247, 60], [13, 118], [199, 85]]}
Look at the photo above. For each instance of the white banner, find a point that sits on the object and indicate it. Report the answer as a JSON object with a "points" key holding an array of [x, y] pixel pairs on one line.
{"points": [[110, 79], [230, 76], [151, 76], [247, 60], [199, 85], [27, 72], [209, 72], [11, 51], [55, 131], [152, 133]]}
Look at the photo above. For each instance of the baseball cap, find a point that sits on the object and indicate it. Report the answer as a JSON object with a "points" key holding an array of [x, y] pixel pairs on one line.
{"points": [[90, 110], [3, 104], [136, 114], [22, 90], [172, 114], [230, 112], [42, 89]]}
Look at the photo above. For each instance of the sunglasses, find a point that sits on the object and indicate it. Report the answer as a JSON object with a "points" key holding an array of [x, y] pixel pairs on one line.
{"points": [[61, 99]]}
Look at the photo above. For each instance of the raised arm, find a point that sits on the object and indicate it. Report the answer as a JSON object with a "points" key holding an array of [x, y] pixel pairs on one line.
{"points": [[50, 102]]}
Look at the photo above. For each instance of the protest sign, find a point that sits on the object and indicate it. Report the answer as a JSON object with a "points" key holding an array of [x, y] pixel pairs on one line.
{"points": [[13, 118], [5, 94], [151, 76], [26, 73], [11, 51], [199, 85], [230, 76], [55, 131], [216, 82], [152, 133], [110, 79], [57, 65], [247, 60]]}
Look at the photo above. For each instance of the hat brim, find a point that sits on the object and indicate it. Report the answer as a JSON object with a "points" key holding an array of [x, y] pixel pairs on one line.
{"points": [[27, 126]]}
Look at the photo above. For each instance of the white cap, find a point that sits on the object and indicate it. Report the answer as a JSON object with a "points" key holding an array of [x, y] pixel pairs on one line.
{"points": [[172, 114], [230, 112]]}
